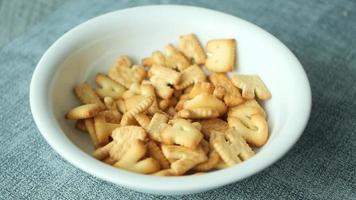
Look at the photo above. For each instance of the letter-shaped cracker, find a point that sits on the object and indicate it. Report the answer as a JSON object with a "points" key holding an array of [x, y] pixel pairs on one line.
{"points": [[213, 125], [221, 55], [249, 119], [232, 150], [109, 87], [183, 158], [189, 76], [84, 111], [182, 132], [172, 58], [157, 124], [155, 152], [211, 163], [103, 128], [129, 149], [163, 78], [125, 74], [202, 106], [231, 96], [251, 86], [87, 95], [191, 48]]}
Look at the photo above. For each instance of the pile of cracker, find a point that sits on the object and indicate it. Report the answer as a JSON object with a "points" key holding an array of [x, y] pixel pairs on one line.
{"points": [[178, 113]]}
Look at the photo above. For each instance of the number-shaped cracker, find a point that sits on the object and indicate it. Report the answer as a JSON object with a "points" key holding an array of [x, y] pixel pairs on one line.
{"points": [[109, 87], [221, 55], [124, 73], [183, 158], [191, 48], [231, 94], [251, 86], [232, 150], [182, 132]]}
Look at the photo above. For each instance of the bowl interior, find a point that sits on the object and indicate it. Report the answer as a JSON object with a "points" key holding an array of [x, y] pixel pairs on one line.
{"points": [[93, 46], [139, 40]]}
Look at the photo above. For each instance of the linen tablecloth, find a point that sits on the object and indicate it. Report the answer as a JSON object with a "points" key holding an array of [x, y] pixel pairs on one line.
{"points": [[322, 165]]}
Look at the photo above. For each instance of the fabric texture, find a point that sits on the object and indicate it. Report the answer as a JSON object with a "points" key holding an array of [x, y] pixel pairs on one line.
{"points": [[322, 165]]}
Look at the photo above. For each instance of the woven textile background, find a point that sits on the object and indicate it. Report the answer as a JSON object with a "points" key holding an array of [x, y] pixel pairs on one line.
{"points": [[322, 165]]}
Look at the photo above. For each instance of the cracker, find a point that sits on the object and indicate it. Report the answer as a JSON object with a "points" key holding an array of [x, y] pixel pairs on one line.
{"points": [[111, 116], [213, 125], [191, 48], [164, 172], [89, 124], [221, 55], [124, 73], [182, 132], [87, 95], [163, 78], [143, 120], [155, 152], [139, 108], [84, 111], [110, 103], [109, 161], [210, 164], [103, 129], [120, 105], [231, 95], [184, 158], [157, 124], [234, 149], [202, 106], [198, 113], [172, 58], [251, 86], [133, 160], [199, 88], [108, 87], [189, 76], [102, 153], [256, 134]]}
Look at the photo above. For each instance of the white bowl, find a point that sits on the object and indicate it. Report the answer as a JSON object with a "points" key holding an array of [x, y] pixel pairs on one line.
{"points": [[94, 45]]}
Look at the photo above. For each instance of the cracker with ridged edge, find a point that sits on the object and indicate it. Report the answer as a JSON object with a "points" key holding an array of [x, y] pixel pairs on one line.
{"points": [[103, 129], [140, 107]]}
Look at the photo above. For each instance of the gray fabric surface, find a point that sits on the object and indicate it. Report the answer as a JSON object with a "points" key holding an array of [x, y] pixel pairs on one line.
{"points": [[322, 165]]}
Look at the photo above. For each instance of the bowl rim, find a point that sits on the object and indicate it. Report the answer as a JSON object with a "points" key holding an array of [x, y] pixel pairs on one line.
{"points": [[46, 123]]}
